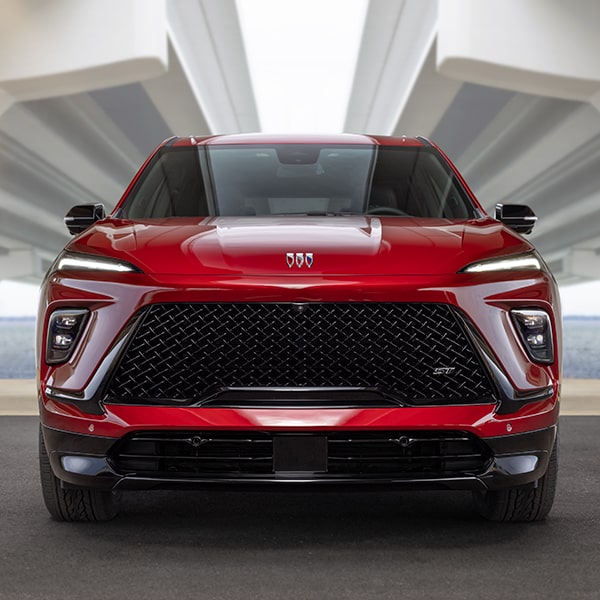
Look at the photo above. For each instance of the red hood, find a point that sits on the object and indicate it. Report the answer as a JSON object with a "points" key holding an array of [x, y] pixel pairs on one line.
{"points": [[349, 245]]}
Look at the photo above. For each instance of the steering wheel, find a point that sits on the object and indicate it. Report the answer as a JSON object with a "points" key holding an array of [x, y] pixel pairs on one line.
{"points": [[386, 210]]}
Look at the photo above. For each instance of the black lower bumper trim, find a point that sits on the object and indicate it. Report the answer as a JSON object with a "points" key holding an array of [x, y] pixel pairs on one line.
{"points": [[519, 459], [85, 461]]}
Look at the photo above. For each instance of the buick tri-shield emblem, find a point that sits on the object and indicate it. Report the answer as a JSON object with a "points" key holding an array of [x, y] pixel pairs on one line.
{"points": [[299, 259]]}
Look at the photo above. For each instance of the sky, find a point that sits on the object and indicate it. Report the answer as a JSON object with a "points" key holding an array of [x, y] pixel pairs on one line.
{"points": [[18, 299], [582, 299], [301, 55]]}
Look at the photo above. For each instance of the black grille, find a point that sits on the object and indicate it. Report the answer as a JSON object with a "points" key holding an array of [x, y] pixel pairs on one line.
{"points": [[414, 353], [414, 454], [194, 454]]}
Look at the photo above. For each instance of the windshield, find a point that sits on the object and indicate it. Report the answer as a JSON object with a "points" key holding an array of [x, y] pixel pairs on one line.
{"points": [[297, 179]]}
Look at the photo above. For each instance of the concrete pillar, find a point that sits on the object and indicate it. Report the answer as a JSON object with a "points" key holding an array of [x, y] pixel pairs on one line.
{"points": [[542, 47], [19, 263], [69, 46], [584, 263]]}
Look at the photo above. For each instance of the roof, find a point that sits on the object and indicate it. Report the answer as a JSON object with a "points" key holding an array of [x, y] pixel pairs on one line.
{"points": [[270, 138]]}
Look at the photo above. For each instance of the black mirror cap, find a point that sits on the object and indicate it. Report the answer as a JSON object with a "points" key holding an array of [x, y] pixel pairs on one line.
{"points": [[518, 217], [80, 217]]}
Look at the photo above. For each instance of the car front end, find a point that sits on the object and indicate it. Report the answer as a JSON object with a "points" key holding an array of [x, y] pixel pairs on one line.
{"points": [[329, 347]]}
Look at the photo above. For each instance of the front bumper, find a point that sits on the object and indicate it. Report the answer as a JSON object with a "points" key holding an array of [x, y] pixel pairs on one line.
{"points": [[83, 460]]}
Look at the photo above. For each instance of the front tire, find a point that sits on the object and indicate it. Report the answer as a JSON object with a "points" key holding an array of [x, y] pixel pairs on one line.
{"points": [[73, 504], [521, 504]]}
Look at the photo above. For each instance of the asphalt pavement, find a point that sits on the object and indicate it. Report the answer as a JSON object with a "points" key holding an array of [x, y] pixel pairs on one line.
{"points": [[230, 545]]}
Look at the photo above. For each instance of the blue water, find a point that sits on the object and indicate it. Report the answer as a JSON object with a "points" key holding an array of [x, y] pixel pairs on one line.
{"points": [[581, 354], [581, 348], [17, 348]]}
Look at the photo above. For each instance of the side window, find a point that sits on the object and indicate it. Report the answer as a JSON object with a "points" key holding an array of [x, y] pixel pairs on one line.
{"points": [[446, 200], [173, 187]]}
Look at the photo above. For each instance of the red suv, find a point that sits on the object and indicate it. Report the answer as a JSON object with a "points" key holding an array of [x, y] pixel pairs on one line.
{"points": [[288, 311]]}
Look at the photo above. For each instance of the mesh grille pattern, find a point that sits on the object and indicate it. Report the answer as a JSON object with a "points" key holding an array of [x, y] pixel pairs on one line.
{"points": [[182, 352], [250, 454]]}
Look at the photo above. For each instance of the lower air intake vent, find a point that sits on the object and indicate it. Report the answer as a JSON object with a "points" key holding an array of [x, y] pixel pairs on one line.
{"points": [[431, 454]]}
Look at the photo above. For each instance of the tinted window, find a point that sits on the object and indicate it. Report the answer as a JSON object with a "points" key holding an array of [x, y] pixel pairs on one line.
{"points": [[298, 179], [290, 179], [172, 187], [414, 182]]}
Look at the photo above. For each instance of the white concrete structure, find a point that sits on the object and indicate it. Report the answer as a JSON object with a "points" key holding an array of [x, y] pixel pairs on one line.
{"points": [[509, 88], [65, 46], [88, 88]]}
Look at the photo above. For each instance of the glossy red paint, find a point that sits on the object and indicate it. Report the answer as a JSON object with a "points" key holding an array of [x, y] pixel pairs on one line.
{"points": [[243, 259], [485, 298], [481, 420], [350, 245]]}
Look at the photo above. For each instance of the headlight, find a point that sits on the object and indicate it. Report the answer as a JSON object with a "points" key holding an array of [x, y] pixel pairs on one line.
{"points": [[517, 262], [91, 262], [535, 331], [64, 329]]}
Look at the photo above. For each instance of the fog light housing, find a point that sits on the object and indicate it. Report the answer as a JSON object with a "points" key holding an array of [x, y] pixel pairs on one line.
{"points": [[535, 330], [64, 329]]}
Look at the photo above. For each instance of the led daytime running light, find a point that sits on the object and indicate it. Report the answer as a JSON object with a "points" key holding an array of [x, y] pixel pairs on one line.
{"points": [[523, 262], [89, 263]]}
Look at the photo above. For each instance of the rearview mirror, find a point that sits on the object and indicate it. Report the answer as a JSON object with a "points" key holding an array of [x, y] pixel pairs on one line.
{"points": [[80, 217], [518, 217]]}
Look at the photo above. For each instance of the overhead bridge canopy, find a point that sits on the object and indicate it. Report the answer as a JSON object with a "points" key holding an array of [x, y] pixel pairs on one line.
{"points": [[510, 89]]}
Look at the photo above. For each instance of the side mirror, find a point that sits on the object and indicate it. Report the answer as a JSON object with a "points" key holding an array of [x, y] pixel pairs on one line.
{"points": [[518, 217], [80, 217]]}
